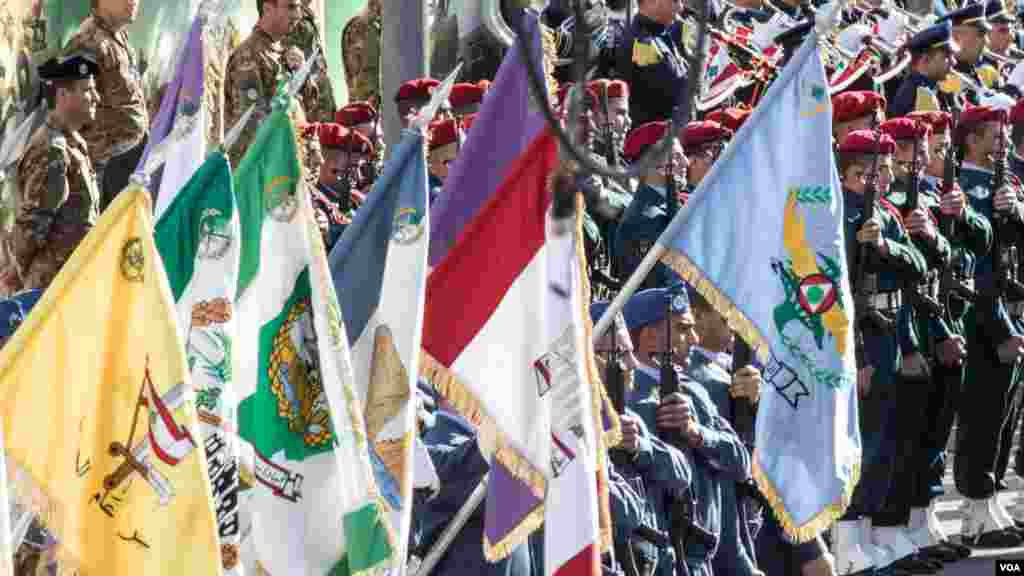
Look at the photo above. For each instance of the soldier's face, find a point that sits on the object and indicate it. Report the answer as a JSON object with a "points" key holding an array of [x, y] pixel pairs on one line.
{"points": [[940, 62], [678, 164], [441, 159], [1000, 37], [904, 161], [938, 145], [280, 15], [972, 41], [702, 160], [80, 100], [121, 10]]}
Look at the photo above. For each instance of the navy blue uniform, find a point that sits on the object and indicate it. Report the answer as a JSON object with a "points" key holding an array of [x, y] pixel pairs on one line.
{"points": [[643, 222], [657, 69]]}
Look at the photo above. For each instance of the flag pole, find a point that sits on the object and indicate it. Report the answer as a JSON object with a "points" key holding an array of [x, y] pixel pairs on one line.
{"points": [[437, 551], [630, 287]]}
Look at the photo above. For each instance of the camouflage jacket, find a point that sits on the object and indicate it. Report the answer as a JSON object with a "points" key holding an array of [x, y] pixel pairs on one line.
{"points": [[57, 206], [360, 51], [318, 104], [253, 72], [121, 116]]}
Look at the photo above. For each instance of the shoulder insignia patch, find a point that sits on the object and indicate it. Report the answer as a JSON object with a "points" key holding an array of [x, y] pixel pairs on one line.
{"points": [[645, 53]]}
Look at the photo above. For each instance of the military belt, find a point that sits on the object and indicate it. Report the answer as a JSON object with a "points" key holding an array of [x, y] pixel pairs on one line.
{"points": [[886, 300]]}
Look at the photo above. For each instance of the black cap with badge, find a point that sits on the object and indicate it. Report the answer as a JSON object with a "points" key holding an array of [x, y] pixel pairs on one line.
{"points": [[74, 67]]}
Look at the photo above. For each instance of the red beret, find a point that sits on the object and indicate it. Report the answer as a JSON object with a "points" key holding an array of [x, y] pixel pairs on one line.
{"points": [[981, 114], [704, 132], [937, 120], [1017, 112], [613, 88], [589, 97], [866, 142], [355, 114], [418, 89], [332, 135], [354, 142], [642, 137], [847, 106], [308, 129], [905, 129], [467, 121], [465, 94], [443, 132], [731, 118]]}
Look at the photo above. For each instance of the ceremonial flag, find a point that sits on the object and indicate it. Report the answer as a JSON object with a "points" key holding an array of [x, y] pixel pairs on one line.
{"points": [[379, 268], [492, 355], [116, 503], [6, 550], [762, 239], [182, 120], [572, 538], [509, 120], [316, 508], [198, 238]]}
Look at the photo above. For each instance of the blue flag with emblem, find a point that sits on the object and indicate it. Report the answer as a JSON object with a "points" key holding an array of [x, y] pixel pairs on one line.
{"points": [[762, 239]]}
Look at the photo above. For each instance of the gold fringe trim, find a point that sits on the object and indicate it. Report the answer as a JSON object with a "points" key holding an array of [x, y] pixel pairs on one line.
{"points": [[719, 301], [518, 466], [549, 54], [454, 390], [501, 549], [601, 402], [820, 521]]}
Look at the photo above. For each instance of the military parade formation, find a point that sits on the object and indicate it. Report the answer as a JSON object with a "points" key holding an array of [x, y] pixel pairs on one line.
{"points": [[927, 104]]}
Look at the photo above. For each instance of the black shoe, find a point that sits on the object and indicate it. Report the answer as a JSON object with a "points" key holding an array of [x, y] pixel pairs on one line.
{"points": [[941, 552], [916, 565], [994, 539], [963, 551]]}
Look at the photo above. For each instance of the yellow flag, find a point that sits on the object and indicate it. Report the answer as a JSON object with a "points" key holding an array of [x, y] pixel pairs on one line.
{"points": [[98, 410]]}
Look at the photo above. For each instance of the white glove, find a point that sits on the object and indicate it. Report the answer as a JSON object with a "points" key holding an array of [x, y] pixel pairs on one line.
{"points": [[997, 100], [892, 28], [828, 17], [1017, 76], [852, 38], [764, 34]]}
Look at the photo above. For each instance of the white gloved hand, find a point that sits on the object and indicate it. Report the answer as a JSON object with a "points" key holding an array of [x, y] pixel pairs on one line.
{"points": [[997, 100], [852, 38], [892, 28], [1017, 76], [764, 34]]}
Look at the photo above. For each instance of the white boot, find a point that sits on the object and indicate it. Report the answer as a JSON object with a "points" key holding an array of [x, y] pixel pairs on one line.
{"points": [[981, 518], [893, 538], [880, 556], [1001, 514], [849, 556], [934, 526]]}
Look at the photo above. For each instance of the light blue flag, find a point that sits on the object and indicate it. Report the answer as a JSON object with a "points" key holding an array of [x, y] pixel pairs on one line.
{"points": [[762, 239], [379, 269]]}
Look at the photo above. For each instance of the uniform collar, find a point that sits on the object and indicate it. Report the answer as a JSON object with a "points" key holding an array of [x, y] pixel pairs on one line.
{"points": [[649, 24], [264, 35]]}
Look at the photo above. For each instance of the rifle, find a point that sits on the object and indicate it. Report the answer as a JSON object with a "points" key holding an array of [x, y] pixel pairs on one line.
{"points": [[950, 284], [1004, 259], [611, 155], [743, 412], [917, 295], [866, 282]]}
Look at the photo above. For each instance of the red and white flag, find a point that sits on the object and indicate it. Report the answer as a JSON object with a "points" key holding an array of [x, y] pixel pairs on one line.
{"points": [[169, 441]]}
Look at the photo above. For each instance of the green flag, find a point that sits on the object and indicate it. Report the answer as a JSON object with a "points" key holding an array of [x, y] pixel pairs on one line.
{"points": [[316, 509]]}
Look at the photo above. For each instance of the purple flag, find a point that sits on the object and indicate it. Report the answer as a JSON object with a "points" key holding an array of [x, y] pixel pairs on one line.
{"points": [[506, 124], [185, 89]]}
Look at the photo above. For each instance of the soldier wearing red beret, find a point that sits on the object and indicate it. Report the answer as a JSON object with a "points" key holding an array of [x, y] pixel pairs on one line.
{"points": [[363, 118], [1016, 162], [586, 130], [995, 347], [878, 242], [445, 139], [858, 110], [412, 96], [332, 196], [652, 207], [940, 143], [611, 116], [703, 142]]}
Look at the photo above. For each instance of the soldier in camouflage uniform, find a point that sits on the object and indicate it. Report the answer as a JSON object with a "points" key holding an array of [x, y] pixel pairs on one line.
{"points": [[318, 101], [117, 136], [360, 51], [59, 199], [254, 70]]}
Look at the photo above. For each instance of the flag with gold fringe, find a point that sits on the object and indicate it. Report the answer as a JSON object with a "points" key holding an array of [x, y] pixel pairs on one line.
{"points": [[120, 474], [762, 239]]}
